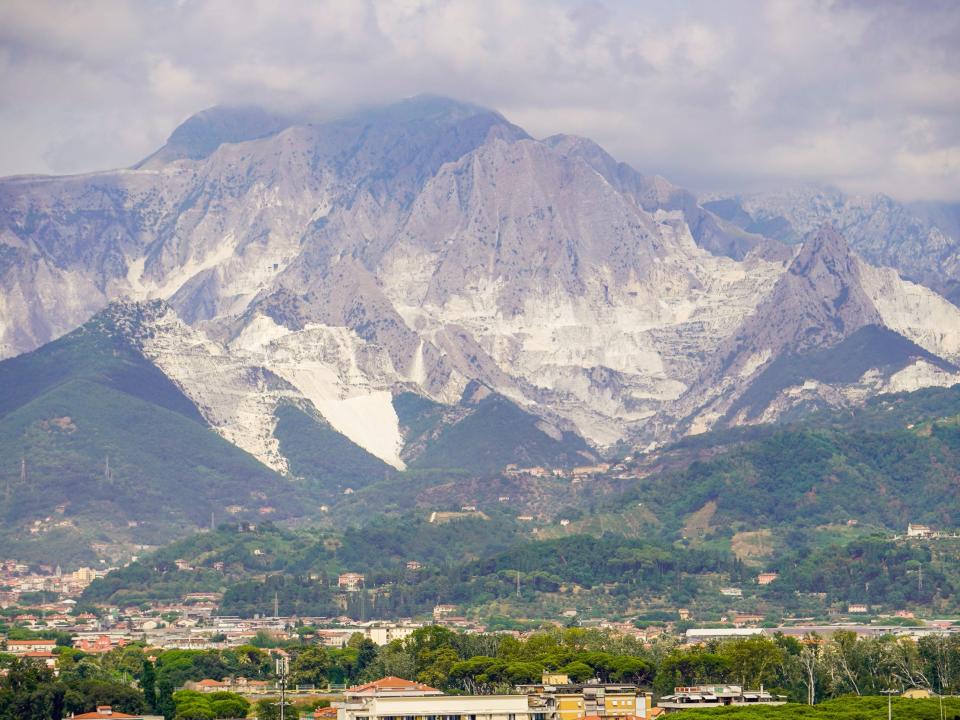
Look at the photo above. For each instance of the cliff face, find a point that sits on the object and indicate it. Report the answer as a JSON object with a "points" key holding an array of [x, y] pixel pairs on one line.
{"points": [[428, 246]]}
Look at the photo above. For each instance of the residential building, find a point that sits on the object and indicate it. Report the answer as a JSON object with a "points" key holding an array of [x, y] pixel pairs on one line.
{"points": [[350, 580], [918, 531], [22, 647], [711, 696], [393, 698], [239, 685], [556, 698], [699, 635], [440, 611], [765, 578], [99, 645], [45, 657], [106, 712]]}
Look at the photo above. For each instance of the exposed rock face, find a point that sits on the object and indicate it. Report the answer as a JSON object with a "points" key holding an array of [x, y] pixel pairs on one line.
{"points": [[427, 246], [826, 296], [922, 241]]}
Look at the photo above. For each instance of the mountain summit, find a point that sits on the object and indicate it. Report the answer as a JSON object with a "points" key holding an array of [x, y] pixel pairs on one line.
{"points": [[431, 250]]}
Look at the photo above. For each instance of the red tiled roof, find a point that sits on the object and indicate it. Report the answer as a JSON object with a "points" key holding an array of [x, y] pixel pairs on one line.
{"points": [[31, 642], [109, 714], [211, 683], [391, 683]]}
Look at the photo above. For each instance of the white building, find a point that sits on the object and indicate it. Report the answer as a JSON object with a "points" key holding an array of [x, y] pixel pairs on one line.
{"points": [[698, 635], [393, 698], [711, 696]]}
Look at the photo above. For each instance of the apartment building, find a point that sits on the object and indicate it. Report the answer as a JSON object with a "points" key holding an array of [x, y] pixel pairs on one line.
{"points": [[556, 698], [393, 698]]}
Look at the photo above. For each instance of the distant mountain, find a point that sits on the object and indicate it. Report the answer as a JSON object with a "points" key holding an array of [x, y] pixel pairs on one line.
{"points": [[920, 240], [832, 332], [345, 289]]}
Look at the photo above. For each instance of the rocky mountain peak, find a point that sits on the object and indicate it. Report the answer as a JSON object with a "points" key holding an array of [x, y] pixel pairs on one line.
{"points": [[827, 252], [201, 134]]}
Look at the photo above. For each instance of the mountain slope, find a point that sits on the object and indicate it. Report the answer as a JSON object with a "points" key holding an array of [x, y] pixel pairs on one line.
{"points": [[113, 452], [824, 336], [922, 241]]}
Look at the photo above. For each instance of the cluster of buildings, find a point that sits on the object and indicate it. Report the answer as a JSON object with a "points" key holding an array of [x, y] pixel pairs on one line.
{"points": [[554, 698], [618, 471], [17, 578], [925, 532], [695, 636]]}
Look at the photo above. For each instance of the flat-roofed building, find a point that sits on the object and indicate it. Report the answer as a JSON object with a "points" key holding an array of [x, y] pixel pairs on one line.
{"points": [[699, 635], [712, 696], [393, 698], [559, 699], [22, 647]]}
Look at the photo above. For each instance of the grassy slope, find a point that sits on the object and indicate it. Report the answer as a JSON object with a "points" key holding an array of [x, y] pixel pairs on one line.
{"points": [[328, 461], [493, 434], [869, 347], [68, 406], [848, 708]]}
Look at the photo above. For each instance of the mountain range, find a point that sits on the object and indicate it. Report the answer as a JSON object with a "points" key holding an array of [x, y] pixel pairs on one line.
{"points": [[348, 299]]}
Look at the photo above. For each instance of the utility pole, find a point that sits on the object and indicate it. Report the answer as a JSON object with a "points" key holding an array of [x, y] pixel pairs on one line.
{"points": [[23, 470], [276, 605], [889, 694], [107, 472], [282, 672], [518, 583]]}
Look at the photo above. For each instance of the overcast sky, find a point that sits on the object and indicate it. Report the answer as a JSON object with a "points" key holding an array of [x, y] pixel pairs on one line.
{"points": [[712, 95]]}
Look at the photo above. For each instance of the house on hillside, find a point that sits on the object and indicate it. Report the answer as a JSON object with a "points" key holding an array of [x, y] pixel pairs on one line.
{"points": [[350, 581]]}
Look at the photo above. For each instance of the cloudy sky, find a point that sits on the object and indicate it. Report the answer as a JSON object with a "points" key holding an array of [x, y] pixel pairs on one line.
{"points": [[713, 95]]}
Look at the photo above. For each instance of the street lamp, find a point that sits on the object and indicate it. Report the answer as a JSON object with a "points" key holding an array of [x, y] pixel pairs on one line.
{"points": [[889, 694]]}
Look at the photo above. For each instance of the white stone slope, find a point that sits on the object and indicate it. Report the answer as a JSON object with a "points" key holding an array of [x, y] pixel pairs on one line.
{"points": [[238, 388]]}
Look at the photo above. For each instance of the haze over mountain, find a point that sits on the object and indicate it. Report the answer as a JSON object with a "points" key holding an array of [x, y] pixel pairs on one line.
{"points": [[433, 249]]}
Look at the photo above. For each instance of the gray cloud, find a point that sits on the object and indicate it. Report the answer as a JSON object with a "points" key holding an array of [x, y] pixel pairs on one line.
{"points": [[732, 95]]}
